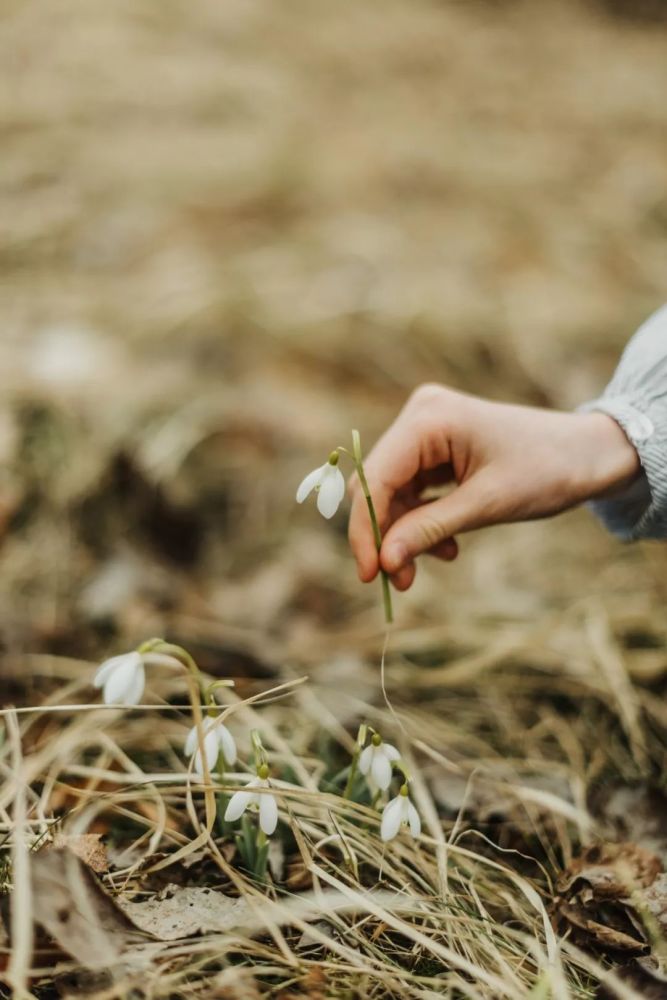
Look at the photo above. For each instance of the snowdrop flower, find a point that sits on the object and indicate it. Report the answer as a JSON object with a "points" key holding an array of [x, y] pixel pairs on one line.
{"points": [[216, 739], [122, 679], [397, 812], [330, 485], [267, 805], [376, 760]]}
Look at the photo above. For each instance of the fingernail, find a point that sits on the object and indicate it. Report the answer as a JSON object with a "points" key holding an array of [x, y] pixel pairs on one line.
{"points": [[395, 557]]}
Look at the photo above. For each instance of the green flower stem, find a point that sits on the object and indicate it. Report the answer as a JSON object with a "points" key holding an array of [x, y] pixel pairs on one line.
{"points": [[261, 855], [359, 464], [171, 649], [354, 763], [214, 686], [349, 785], [221, 798], [258, 749], [197, 684], [400, 766]]}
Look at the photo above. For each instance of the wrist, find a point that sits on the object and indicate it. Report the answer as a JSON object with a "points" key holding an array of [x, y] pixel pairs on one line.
{"points": [[613, 460]]}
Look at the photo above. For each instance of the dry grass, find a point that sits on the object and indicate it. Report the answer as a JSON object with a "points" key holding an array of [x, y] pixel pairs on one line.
{"points": [[501, 780], [230, 231]]}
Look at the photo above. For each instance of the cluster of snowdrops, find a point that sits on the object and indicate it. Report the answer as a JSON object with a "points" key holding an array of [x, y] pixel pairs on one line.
{"points": [[210, 745]]}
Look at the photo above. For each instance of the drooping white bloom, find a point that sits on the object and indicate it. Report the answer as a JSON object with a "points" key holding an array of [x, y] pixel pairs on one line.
{"points": [[267, 805], [329, 482], [122, 679], [216, 739], [397, 812], [376, 760]]}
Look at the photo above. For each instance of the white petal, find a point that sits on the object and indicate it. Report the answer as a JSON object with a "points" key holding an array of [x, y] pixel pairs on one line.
{"points": [[190, 744], [366, 759], [342, 485], [331, 492], [391, 819], [136, 688], [106, 669], [227, 744], [237, 805], [381, 770], [211, 750], [414, 820], [308, 484], [333, 473], [125, 685], [390, 751], [268, 814]]}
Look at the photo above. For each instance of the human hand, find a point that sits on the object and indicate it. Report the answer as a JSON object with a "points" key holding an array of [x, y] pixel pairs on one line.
{"points": [[507, 463]]}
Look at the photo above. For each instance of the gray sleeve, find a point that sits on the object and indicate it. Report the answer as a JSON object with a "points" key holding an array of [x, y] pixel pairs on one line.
{"points": [[636, 398]]}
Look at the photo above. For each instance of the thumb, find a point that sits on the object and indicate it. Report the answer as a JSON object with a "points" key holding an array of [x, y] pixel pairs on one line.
{"points": [[469, 506]]}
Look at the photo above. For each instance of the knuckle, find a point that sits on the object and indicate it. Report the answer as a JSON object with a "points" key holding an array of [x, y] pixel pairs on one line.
{"points": [[426, 394], [431, 531]]}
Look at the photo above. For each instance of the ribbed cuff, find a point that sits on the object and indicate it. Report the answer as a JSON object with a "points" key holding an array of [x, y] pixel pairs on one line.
{"points": [[641, 510]]}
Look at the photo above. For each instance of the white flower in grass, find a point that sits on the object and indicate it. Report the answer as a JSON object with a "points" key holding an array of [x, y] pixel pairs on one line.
{"points": [[397, 812], [330, 485], [122, 679], [376, 761], [267, 805], [217, 739]]}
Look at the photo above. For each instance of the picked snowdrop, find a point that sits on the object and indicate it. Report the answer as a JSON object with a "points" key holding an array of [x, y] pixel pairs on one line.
{"points": [[398, 811], [250, 797], [122, 679], [376, 760], [329, 483], [217, 740]]}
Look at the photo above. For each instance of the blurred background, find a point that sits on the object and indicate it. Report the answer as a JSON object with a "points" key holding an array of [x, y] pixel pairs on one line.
{"points": [[232, 231]]}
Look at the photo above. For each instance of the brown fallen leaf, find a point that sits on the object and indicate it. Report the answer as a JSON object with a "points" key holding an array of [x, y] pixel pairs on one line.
{"points": [[87, 846], [179, 912], [655, 898], [605, 893], [71, 906], [600, 933], [183, 911], [611, 870]]}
